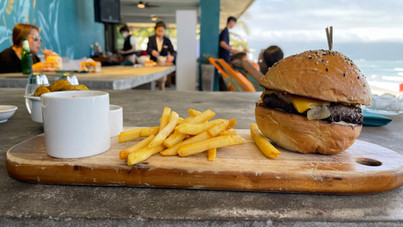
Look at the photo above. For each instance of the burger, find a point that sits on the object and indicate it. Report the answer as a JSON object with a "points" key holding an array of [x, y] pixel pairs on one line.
{"points": [[312, 102]]}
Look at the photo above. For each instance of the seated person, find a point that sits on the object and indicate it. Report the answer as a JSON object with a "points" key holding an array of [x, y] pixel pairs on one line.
{"points": [[236, 59], [247, 68], [268, 57], [10, 58], [129, 47]]}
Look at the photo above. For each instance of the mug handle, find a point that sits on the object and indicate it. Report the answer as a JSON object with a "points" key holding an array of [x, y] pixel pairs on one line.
{"points": [[28, 104]]}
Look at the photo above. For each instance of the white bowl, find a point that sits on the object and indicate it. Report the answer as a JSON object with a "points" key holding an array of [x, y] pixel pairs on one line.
{"points": [[115, 120], [6, 111], [142, 59], [34, 107]]}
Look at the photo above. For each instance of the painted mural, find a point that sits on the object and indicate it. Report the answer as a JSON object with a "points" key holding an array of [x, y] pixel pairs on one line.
{"points": [[26, 12], [53, 17]]}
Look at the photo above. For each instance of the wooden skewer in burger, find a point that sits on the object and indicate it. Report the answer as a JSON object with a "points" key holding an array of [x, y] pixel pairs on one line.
{"points": [[312, 102]]}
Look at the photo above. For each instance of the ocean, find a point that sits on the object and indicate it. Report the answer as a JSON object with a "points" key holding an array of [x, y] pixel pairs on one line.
{"points": [[380, 62], [386, 75], [386, 81]]}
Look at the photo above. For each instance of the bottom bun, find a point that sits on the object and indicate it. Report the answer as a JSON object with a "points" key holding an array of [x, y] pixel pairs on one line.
{"points": [[297, 133]]}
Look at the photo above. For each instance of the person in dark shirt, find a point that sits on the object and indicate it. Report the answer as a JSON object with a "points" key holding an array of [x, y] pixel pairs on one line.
{"points": [[129, 47], [160, 46], [10, 58], [224, 48]]}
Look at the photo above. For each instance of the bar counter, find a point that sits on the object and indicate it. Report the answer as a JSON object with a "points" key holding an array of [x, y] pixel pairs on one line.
{"points": [[110, 77], [54, 205]]}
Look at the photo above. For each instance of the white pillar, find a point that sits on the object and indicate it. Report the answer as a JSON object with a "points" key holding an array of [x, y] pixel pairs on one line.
{"points": [[186, 60]]}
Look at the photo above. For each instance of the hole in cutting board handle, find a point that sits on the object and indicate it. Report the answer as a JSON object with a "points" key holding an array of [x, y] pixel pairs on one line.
{"points": [[368, 162]]}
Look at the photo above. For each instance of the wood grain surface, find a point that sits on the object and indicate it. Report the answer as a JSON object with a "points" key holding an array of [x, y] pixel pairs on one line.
{"points": [[363, 168]]}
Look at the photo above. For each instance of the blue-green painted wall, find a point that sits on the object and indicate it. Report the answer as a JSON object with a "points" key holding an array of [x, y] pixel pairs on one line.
{"points": [[67, 26], [209, 32]]}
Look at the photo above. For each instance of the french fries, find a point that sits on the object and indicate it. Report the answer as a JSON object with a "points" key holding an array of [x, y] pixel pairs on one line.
{"points": [[199, 147], [193, 129], [198, 117], [164, 132], [180, 120], [177, 136], [211, 154], [231, 123], [174, 149], [218, 128], [129, 135], [238, 139], [149, 131], [174, 138], [165, 117], [125, 153], [193, 112], [205, 116], [137, 133], [142, 154], [261, 141]]}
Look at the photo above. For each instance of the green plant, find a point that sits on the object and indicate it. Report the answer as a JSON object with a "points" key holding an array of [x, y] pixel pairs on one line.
{"points": [[237, 41]]}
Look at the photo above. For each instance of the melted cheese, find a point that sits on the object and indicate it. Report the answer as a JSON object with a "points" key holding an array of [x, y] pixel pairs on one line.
{"points": [[303, 104]]}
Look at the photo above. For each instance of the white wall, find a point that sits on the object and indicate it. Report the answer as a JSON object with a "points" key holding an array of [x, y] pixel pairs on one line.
{"points": [[186, 60]]}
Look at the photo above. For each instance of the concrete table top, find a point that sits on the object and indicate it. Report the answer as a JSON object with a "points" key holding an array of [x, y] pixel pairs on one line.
{"points": [[111, 77], [53, 205]]}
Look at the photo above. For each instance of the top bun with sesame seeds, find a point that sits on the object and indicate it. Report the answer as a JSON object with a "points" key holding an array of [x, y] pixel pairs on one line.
{"points": [[320, 74], [312, 102]]}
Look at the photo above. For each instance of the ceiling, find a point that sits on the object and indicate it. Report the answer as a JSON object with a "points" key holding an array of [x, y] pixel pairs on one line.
{"points": [[165, 10]]}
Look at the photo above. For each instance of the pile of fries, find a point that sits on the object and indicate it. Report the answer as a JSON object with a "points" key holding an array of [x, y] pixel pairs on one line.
{"points": [[177, 136]]}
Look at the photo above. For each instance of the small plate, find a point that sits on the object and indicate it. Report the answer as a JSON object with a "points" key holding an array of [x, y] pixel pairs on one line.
{"points": [[382, 112], [6, 111]]}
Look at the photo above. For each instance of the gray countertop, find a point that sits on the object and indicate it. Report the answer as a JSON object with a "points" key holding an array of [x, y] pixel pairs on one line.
{"points": [[51, 205], [110, 77]]}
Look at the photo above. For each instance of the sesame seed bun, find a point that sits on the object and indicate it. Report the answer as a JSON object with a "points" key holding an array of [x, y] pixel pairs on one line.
{"points": [[316, 74], [319, 74]]}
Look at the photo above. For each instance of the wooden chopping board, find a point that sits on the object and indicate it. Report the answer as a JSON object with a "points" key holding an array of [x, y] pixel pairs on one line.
{"points": [[363, 168]]}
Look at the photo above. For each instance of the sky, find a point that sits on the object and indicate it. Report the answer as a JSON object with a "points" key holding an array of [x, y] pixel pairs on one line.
{"points": [[362, 29]]}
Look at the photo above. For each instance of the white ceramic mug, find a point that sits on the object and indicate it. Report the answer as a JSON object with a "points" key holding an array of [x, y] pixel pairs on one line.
{"points": [[115, 120], [76, 123]]}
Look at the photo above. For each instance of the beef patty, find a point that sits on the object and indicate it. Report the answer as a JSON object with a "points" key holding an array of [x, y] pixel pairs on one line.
{"points": [[338, 111]]}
